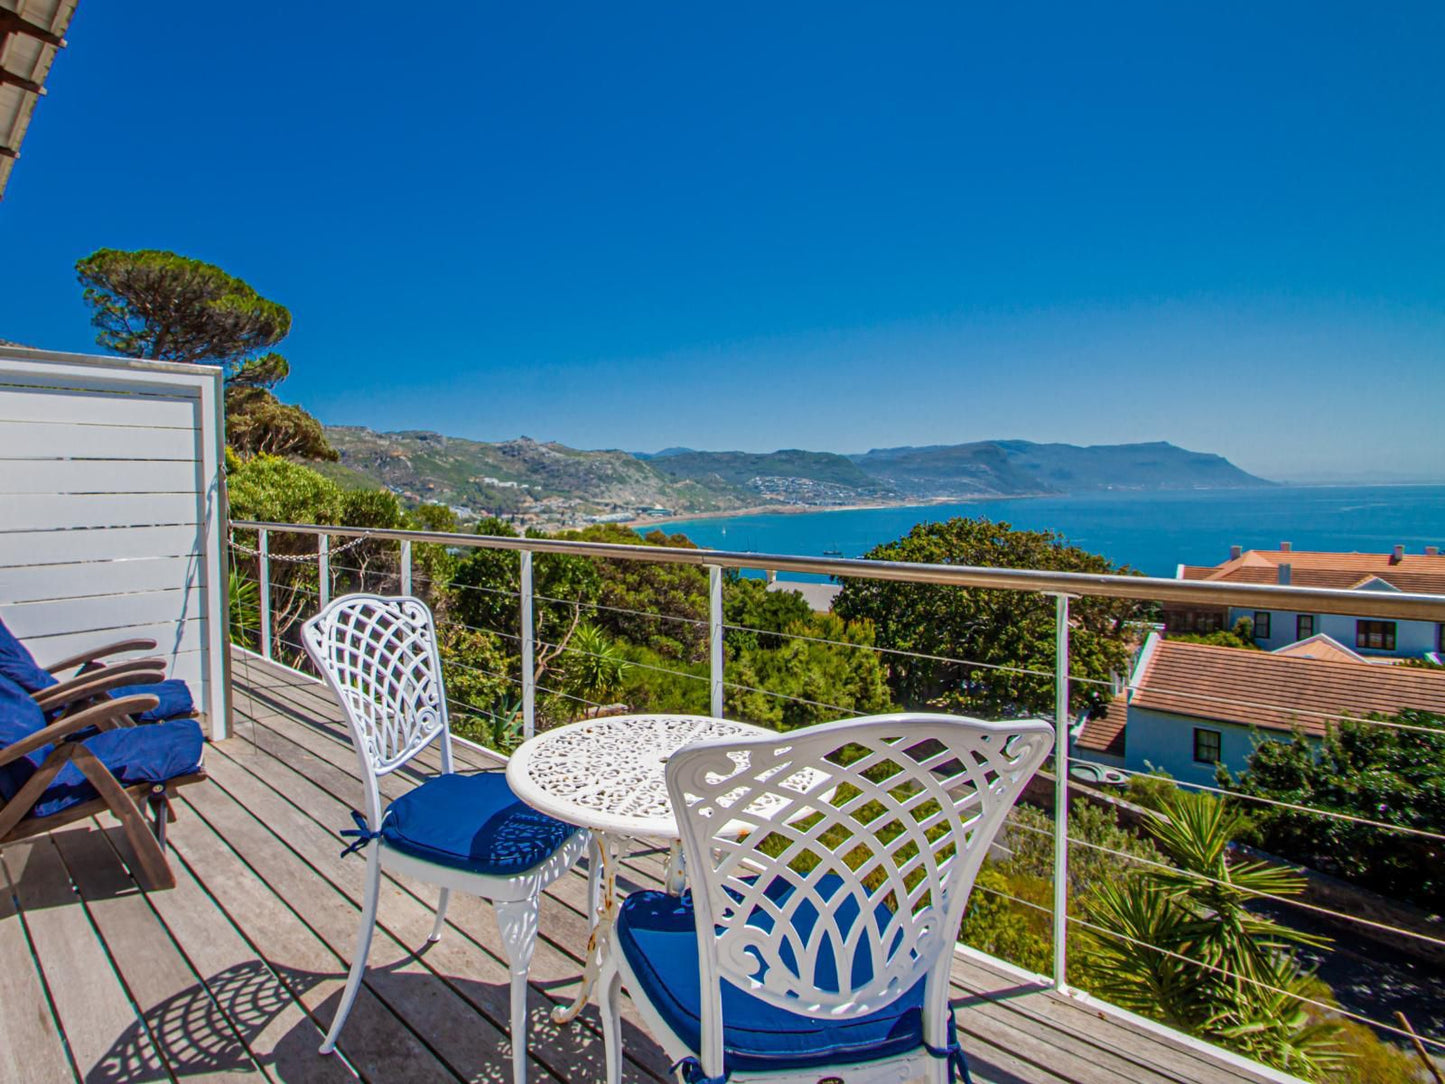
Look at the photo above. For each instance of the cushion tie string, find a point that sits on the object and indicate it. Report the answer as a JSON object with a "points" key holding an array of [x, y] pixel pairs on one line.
{"points": [[957, 1061], [692, 1072], [362, 833]]}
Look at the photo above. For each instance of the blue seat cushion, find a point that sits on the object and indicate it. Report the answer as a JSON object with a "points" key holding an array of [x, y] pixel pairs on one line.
{"points": [[473, 823], [658, 935], [20, 717], [138, 754], [174, 696], [17, 664]]}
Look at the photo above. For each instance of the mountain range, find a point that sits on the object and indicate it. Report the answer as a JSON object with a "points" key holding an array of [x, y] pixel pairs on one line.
{"points": [[551, 484]]}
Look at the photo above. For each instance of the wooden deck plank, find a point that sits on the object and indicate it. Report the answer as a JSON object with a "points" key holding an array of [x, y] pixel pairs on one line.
{"points": [[1087, 1031], [462, 1040], [1028, 1036], [192, 1035], [376, 1042], [34, 1050], [107, 1039], [404, 920], [263, 1012], [408, 915]]}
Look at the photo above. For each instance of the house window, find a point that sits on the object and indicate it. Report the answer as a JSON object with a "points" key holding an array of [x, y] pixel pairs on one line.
{"points": [[1206, 746], [1375, 635], [1261, 624], [1304, 626]]}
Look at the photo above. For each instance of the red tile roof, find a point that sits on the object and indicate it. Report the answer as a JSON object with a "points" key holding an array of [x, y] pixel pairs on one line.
{"points": [[1422, 573], [1277, 692], [1103, 731], [1320, 646]]}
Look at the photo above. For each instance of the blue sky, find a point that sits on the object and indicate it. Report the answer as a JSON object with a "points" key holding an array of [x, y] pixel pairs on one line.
{"points": [[759, 226]]}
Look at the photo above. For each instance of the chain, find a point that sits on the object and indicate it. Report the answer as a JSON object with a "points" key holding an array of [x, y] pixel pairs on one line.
{"points": [[298, 558]]}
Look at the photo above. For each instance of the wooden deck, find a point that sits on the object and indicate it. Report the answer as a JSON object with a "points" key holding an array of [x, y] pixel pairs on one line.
{"points": [[237, 970]]}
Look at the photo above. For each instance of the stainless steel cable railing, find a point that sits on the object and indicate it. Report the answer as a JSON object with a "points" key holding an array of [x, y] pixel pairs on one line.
{"points": [[525, 643]]}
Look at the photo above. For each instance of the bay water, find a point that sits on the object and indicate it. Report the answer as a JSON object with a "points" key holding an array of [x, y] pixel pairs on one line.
{"points": [[1151, 532]]}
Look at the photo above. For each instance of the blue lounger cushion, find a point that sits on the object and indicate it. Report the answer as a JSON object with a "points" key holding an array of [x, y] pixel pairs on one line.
{"points": [[148, 754], [17, 664], [473, 823], [139, 754], [174, 696], [20, 717], [658, 935]]}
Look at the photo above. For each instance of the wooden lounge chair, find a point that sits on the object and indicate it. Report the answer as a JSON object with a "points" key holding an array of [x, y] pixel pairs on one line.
{"points": [[92, 667], [93, 760]]}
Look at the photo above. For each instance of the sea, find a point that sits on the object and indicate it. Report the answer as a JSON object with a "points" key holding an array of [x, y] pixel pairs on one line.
{"points": [[1150, 532]]}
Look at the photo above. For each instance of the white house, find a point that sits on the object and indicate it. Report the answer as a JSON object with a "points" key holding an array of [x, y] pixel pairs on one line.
{"points": [[1396, 571], [1189, 707]]}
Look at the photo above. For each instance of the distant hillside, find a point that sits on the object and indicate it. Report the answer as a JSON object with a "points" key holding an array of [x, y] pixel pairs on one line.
{"points": [[520, 477], [1006, 467], [551, 484]]}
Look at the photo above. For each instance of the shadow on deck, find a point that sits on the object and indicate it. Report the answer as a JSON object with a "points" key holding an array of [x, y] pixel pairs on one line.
{"points": [[238, 969]]}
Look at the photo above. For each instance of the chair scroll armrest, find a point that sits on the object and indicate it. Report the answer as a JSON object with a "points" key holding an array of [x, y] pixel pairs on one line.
{"points": [[95, 654], [87, 686], [96, 715]]}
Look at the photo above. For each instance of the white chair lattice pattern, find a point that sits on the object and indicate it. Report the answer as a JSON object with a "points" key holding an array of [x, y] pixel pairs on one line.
{"points": [[469, 832], [829, 868]]}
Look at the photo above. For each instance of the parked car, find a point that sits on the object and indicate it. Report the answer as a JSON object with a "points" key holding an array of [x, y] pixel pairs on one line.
{"points": [[1098, 775]]}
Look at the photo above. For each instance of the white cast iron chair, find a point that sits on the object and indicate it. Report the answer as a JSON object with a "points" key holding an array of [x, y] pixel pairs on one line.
{"points": [[466, 832], [817, 944]]}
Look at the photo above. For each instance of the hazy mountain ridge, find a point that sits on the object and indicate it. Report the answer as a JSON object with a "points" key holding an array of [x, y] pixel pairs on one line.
{"points": [[552, 483], [1012, 467]]}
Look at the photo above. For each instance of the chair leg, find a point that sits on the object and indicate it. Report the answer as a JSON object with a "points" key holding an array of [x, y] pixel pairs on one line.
{"points": [[442, 901], [518, 923], [160, 814], [609, 986], [363, 946], [154, 872]]}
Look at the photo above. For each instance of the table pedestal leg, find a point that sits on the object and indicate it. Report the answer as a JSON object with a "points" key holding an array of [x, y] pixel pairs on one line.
{"points": [[602, 871], [674, 877]]}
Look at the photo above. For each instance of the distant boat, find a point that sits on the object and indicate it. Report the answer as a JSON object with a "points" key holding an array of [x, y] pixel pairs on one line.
{"points": [[832, 553]]}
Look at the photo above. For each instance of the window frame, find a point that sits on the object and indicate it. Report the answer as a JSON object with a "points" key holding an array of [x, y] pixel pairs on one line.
{"points": [[1300, 620], [1265, 624], [1366, 629], [1217, 737]]}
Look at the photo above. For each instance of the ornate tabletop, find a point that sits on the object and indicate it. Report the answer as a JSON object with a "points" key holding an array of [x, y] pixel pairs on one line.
{"points": [[607, 774]]}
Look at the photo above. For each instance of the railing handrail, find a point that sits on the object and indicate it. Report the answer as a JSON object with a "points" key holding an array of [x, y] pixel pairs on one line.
{"points": [[1399, 606]]}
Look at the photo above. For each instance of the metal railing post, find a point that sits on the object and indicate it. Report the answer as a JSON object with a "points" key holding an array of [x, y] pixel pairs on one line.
{"points": [[263, 568], [529, 678], [323, 569], [406, 566], [715, 636], [1061, 791]]}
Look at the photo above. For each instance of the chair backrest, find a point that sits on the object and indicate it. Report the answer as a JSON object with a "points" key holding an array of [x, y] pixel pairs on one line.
{"points": [[379, 655], [830, 865]]}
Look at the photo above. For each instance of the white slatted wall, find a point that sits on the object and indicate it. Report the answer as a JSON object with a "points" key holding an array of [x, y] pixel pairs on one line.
{"points": [[111, 523]]}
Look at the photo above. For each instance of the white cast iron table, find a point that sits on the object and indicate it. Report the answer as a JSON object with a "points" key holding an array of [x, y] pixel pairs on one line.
{"points": [[607, 775]]}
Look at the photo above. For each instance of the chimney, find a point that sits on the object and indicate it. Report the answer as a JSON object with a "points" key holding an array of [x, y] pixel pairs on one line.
{"points": [[1286, 573], [1235, 552], [1398, 555], [1432, 551], [1285, 547]]}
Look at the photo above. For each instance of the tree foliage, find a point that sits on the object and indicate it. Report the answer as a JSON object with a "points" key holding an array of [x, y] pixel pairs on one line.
{"points": [[257, 423], [662, 607], [154, 304], [1366, 768], [1005, 639], [1184, 945]]}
